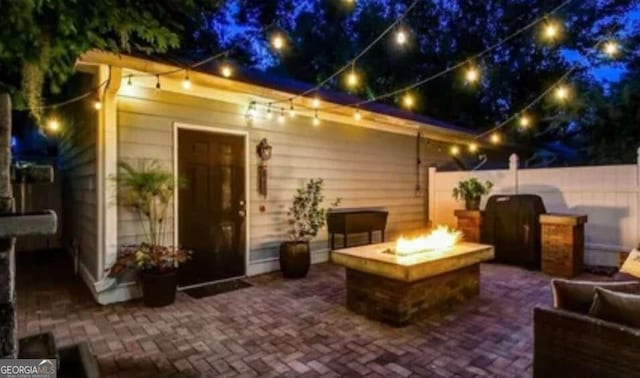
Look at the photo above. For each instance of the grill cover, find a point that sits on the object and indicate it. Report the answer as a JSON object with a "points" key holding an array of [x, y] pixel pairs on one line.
{"points": [[511, 224]]}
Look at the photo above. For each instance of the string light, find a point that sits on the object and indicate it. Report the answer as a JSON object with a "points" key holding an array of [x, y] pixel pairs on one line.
{"points": [[269, 113], [551, 30], [525, 121], [97, 104], [158, 83], [292, 111], [473, 147], [53, 125], [277, 41], [472, 75], [408, 101], [562, 93], [251, 111], [611, 48], [495, 138], [401, 37], [226, 70], [316, 119], [454, 150], [186, 82], [281, 117], [357, 115], [129, 82], [352, 77], [315, 102]]}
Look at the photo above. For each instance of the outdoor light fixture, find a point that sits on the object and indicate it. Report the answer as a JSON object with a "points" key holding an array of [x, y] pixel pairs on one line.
{"points": [[473, 147], [401, 37], [277, 41], [551, 30], [408, 101], [495, 138], [611, 48], [455, 150], [186, 82], [264, 150], [562, 93], [226, 70], [472, 75], [525, 121], [53, 125]]}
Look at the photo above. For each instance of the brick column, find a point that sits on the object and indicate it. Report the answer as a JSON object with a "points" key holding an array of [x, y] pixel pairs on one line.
{"points": [[562, 244], [470, 223]]}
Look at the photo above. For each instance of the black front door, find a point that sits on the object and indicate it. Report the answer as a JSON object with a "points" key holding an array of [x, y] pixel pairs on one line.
{"points": [[211, 205]]}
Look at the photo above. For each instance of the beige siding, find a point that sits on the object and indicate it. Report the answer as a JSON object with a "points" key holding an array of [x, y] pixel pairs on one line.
{"points": [[361, 166], [77, 166]]}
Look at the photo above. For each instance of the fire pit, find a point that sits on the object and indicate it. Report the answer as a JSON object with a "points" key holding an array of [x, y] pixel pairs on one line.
{"points": [[399, 281]]}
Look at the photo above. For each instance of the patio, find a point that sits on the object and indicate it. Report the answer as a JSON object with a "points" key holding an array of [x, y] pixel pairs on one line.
{"points": [[285, 328]]}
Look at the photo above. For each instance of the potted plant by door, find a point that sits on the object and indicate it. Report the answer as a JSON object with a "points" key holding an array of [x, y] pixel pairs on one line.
{"points": [[306, 217], [471, 191], [148, 192]]}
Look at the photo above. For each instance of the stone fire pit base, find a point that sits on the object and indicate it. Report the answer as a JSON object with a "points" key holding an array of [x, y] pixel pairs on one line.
{"points": [[398, 302]]}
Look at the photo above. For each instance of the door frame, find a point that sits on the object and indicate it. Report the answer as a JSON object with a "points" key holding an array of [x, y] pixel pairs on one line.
{"points": [[177, 126]]}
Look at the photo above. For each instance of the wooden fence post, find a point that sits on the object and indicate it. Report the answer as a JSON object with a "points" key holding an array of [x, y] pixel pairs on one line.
{"points": [[513, 170]]}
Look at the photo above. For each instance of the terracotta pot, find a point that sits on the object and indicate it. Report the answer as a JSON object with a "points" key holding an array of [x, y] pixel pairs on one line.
{"points": [[472, 203], [159, 289], [295, 259]]}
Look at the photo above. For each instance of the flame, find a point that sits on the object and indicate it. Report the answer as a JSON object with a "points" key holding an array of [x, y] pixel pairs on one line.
{"points": [[441, 238]]}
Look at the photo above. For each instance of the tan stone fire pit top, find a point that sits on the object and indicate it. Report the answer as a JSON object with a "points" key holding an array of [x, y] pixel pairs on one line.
{"points": [[373, 259]]}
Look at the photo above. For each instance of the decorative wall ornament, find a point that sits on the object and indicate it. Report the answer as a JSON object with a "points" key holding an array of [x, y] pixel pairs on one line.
{"points": [[264, 152]]}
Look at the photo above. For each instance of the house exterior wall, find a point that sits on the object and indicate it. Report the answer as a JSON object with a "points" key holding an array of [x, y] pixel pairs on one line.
{"points": [[363, 167], [609, 195]]}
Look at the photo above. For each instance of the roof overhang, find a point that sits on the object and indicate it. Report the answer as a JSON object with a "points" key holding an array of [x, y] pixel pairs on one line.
{"points": [[207, 85]]}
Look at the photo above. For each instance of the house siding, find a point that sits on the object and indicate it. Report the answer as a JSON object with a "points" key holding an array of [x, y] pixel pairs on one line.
{"points": [[77, 168], [363, 167]]}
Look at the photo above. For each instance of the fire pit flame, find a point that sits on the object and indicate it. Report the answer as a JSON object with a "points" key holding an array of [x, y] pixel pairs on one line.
{"points": [[440, 239]]}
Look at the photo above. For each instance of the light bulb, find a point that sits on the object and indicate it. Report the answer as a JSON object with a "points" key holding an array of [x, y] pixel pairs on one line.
{"points": [[53, 125], [97, 105], [472, 75], [129, 82], [495, 138], [281, 117], [525, 121], [158, 83], [292, 111], [315, 102], [473, 147], [455, 150], [278, 42], [611, 48], [357, 116], [251, 111], [316, 120], [186, 82], [269, 113], [226, 70], [401, 37], [352, 79], [551, 30], [562, 93], [408, 101]]}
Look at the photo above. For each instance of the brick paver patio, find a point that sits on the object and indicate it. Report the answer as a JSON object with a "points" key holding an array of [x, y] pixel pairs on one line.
{"points": [[286, 328]]}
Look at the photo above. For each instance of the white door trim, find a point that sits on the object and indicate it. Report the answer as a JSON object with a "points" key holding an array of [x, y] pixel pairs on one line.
{"points": [[216, 130]]}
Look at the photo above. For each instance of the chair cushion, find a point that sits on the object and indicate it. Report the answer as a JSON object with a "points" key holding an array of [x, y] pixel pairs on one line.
{"points": [[632, 264], [577, 296], [621, 308]]}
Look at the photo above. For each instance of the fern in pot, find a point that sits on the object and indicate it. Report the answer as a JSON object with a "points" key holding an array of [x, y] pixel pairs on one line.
{"points": [[306, 218], [147, 191], [471, 191]]}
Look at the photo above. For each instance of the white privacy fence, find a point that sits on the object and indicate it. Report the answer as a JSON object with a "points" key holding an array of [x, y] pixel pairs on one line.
{"points": [[609, 195]]}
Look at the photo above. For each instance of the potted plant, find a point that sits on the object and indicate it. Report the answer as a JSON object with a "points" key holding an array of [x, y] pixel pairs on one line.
{"points": [[148, 192], [306, 217], [471, 191]]}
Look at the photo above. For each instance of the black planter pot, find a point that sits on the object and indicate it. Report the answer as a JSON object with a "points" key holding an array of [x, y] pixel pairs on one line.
{"points": [[295, 259], [159, 289], [472, 203]]}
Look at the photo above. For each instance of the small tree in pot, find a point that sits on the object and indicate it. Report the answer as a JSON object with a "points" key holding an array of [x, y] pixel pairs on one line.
{"points": [[471, 192], [148, 192], [306, 217]]}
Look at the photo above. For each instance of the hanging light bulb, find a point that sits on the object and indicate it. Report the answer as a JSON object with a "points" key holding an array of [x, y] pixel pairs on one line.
{"points": [[525, 121], [551, 30], [454, 150], [495, 138], [357, 115], [611, 48], [186, 82], [316, 119], [158, 83], [277, 42], [473, 147], [269, 113], [352, 76], [226, 70], [292, 111], [53, 125], [472, 75], [251, 111], [408, 101], [97, 104], [281, 117], [401, 37], [562, 93], [129, 81], [315, 102]]}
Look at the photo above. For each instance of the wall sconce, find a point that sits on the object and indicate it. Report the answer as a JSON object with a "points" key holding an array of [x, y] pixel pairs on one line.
{"points": [[264, 152]]}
